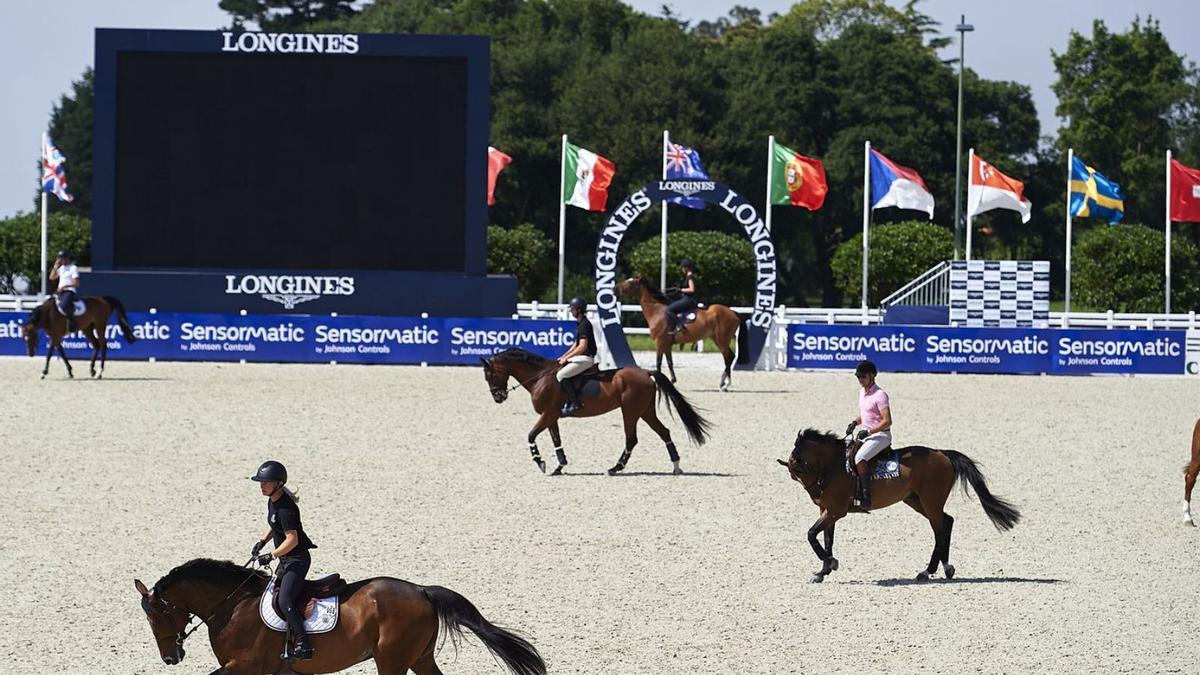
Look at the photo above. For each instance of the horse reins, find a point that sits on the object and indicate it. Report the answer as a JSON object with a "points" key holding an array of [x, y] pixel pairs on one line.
{"points": [[539, 376], [182, 634]]}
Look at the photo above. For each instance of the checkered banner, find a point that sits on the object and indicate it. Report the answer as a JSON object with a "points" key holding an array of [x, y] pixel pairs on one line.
{"points": [[1000, 293]]}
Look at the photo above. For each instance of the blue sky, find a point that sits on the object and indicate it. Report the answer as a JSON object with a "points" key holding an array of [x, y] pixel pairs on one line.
{"points": [[46, 45]]}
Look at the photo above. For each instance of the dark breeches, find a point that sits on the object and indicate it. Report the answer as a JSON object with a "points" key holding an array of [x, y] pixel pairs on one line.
{"points": [[291, 578]]}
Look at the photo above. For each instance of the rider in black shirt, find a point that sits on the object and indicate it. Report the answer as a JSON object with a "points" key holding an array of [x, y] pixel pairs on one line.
{"points": [[291, 546], [580, 357], [687, 301]]}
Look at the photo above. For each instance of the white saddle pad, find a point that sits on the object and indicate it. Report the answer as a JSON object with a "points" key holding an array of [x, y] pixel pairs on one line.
{"points": [[80, 308], [323, 619]]}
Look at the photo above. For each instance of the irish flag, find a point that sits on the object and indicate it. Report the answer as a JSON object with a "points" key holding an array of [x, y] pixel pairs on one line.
{"points": [[796, 180], [586, 177]]}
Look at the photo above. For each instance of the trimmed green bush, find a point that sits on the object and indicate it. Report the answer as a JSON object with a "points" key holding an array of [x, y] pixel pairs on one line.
{"points": [[899, 253], [1121, 268], [525, 253], [21, 242], [724, 264]]}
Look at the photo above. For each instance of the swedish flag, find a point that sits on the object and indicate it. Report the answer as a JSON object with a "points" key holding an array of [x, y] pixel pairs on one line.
{"points": [[1094, 195]]}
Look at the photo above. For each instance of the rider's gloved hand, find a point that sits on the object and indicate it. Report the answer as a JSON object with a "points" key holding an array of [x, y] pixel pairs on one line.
{"points": [[264, 559], [258, 547], [850, 428], [863, 434]]}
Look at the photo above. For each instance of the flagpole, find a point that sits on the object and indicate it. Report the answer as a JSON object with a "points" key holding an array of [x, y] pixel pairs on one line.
{"points": [[1167, 304], [970, 169], [562, 215], [1070, 167], [866, 220], [770, 164], [42, 269], [662, 253]]}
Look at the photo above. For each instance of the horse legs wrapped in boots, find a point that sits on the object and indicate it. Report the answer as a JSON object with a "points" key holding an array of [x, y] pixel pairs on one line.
{"points": [[559, 453], [542, 423], [828, 563], [650, 417], [63, 353], [630, 419]]}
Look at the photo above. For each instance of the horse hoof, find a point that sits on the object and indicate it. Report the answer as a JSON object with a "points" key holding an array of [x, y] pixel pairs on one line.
{"points": [[615, 470], [1186, 521], [43, 376], [557, 470], [833, 564], [923, 576], [541, 465], [949, 570], [677, 471], [817, 578]]}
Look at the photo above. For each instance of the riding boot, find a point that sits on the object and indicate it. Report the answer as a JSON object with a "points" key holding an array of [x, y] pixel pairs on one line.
{"points": [[864, 492], [572, 405], [303, 648], [72, 324]]}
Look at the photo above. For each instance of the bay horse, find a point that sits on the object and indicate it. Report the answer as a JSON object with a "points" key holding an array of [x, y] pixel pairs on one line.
{"points": [[714, 321], [631, 389], [395, 622], [818, 463], [93, 323], [1189, 476]]}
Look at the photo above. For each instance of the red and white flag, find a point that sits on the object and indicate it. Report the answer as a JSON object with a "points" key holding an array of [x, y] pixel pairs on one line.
{"points": [[1185, 193], [496, 162], [989, 189]]}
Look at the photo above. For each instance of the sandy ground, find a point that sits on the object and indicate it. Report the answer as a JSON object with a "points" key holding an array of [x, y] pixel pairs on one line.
{"points": [[416, 473]]}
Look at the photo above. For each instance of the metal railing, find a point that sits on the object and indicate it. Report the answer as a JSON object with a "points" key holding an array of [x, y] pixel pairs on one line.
{"points": [[19, 303], [931, 288]]}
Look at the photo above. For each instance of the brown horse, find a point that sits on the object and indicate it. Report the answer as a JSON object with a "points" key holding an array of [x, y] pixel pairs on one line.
{"points": [[93, 323], [714, 321], [1189, 476], [392, 621], [630, 389], [818, 462]]}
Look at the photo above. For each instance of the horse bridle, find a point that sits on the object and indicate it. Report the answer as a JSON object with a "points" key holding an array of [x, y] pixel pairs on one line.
{"points": [[817, 486], [518, 385], [183, 633]]}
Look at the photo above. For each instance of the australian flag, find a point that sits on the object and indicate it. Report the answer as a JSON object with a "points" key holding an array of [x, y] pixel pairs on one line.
{"points": [[683, 163]]}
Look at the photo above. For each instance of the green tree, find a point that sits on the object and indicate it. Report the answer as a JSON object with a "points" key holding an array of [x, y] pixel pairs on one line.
{"points": [[899, 253], [1121, 268], [71, 128], [724, 264], [20, 245], [285, 15], [525, 253], [1124, 97]]}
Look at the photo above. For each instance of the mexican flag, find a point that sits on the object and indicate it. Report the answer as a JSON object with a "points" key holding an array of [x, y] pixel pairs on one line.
{"points": [[586, 177], [796, 180]]}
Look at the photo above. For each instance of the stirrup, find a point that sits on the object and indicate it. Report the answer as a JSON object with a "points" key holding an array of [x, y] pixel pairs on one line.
{"points": [[569, 408]]}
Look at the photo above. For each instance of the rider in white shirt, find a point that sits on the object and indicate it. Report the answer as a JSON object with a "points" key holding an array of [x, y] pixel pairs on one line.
{"points": [[67, 275]]}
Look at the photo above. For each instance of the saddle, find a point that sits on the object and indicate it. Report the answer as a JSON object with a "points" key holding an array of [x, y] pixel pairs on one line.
{"points": [[587, 383], [319, 597], [884, 466], [80, 308]]}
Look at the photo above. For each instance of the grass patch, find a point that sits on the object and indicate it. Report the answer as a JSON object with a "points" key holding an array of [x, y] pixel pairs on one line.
{"points": [[644, 343]]}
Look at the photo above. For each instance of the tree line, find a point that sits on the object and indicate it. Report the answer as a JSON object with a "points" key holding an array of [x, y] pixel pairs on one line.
{"points": [[822, 77]]}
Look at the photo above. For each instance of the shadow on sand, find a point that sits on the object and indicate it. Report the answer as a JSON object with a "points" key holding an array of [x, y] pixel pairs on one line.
{"points": [[685, 474], [960, 580]]}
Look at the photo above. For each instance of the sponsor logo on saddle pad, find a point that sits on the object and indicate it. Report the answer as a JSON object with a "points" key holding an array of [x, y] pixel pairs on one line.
{"points": [[288, 290], [887, 466], [323, 619]]}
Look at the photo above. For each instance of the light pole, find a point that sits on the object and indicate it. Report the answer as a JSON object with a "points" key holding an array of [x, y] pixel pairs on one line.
{"points": [[963, 28]]}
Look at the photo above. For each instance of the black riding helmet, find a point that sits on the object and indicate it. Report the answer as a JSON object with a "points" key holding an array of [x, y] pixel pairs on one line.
{"points": [[65, 254], [270, 470], [866, 368], [577, 303], [687, 263]]}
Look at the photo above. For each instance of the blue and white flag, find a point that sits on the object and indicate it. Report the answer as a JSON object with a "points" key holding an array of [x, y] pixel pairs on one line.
{"points": [[54, 174], [683, 163]]}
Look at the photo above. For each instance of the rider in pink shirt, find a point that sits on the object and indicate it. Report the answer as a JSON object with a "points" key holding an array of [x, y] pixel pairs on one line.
{"points": [[875, 415]]}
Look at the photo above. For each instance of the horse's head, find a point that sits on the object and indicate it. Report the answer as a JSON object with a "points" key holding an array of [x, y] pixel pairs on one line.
{"points": [[496, 375], [167, 621], [811, 456], [29, 329], [630, 288]]}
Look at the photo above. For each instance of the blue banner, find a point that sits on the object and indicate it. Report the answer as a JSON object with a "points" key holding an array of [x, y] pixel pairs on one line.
{"points": [[308, 338], [938, 349]]}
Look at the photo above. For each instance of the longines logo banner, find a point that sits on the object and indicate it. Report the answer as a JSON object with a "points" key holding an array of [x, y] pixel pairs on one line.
{"points": [[934, 349], [288, 290], [289, 43], [714, 193], [310, 339]]}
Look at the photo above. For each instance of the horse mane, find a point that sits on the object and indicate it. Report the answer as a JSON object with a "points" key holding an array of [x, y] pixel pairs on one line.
{"points": [[207, 570], [811, 435], [654, 292], [518, 354]]}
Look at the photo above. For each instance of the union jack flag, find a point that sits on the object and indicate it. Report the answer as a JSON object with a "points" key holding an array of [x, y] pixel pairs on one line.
{"points": [[682, 162], [54, 174]]}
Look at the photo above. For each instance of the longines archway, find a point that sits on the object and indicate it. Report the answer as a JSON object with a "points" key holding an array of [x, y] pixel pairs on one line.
{"points": [[713, 193]]}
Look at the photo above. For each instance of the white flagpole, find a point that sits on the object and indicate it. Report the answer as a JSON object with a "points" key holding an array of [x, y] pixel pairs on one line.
{"points": [[1070, 166], [42, 269], [770, 165], [662, 253], [866, 220], [1167, 304], [562, 216], [970, 170]]}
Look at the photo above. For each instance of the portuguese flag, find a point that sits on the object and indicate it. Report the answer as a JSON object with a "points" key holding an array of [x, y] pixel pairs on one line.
{"points": [[586, 177], [796, 180]]}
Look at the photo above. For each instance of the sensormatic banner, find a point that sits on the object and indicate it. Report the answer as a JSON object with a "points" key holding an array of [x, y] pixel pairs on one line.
{"points": [[310, 339], [987, 350]]}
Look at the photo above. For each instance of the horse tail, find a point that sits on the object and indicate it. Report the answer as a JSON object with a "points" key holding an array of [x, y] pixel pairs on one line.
{"points": [[1002, 513], [455, 612], [697, 427], [122, 318]]}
